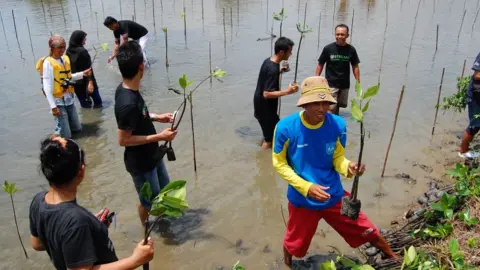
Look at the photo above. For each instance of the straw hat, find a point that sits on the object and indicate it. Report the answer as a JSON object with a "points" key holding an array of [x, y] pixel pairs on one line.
{"points": [[315, 89]]}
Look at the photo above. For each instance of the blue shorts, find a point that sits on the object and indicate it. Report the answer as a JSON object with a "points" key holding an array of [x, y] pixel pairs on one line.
{"points": [[158, 179]]}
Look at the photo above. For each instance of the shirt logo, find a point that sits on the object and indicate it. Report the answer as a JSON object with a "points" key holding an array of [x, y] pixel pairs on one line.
{"points": [[302, 145], [330, 148]]}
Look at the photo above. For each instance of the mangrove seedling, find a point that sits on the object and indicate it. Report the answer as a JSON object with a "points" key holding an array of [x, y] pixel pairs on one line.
{"points": [[170, 202], [165, 31], [280, 17], [238, 266], [302, 30], [11, 189], [184, 84], [350, 205], [457, 101], [467, 218], [414, 260]]}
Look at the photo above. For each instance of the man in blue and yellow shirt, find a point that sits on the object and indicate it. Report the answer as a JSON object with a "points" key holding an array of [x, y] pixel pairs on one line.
{"points": [[308, 152]]}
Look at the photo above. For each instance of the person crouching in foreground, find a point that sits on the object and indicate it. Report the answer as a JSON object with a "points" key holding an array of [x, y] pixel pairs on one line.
{"points": [[308, 152]]}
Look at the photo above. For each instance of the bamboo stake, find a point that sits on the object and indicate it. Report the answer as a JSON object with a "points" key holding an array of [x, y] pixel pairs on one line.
{"points": [[203, 15], [393, 131], [153, 11], [238, 15], [193, 135], [351, 32], [43, 8], [185, 23], [478, 2], [103, 10], [165, 31], [96, 21], [266, 25], [436, 43], [4, 33], [16, 34], [210, 59], [134, 10], [90, 1], [78, 14], [63, 12], [461, 25], [333, 16], [224, 31], [413, 35], [161, 5], [318, 35], [298, 10], [463, 68], [438, 102], [476, 16], [231, 24], [120, 5], [384, 41], [30, 36]]}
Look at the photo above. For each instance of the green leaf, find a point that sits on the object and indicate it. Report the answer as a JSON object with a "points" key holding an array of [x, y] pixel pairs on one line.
{"points": [[473, 222], [10, 189], [363, 267], [472, 242], [104, 46], [328, 265], [182, 15], [238, 266], [165, 29], [358, 89], [448, 213], [347, 262], [178, 184], [365, 108], [174, 203], [173, 213], [146, 192], [356, 112], [183, 81], [180, 193], [218, 73], [371, 92], [157, 210], [437, 207], [465, 215], [411, 254]]}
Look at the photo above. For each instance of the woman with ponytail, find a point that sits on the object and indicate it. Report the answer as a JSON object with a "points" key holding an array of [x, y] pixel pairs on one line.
{"points": [[73, 237]]}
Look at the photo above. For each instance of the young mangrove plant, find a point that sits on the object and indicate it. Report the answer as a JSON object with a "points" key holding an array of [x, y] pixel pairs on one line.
{"points": [[11, 189], [280, 17], [419, 260], [238, 266], [302, 30], [169, 203], [457, 101], [184, 84], [350, 205]]}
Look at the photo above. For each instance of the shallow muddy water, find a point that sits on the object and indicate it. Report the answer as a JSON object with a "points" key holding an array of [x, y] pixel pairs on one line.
{"points": [[236, 197]]}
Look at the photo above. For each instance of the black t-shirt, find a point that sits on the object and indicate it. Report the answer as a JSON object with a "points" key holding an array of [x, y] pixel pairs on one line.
{"points": [[71, 235], [132, 114], [134, 30], [338, 60], [267, 81]]}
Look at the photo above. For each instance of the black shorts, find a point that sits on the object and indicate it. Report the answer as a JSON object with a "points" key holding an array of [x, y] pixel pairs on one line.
{"points": [[268, 127]]}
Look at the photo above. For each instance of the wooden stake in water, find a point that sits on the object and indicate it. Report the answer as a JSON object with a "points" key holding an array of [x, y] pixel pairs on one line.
{"points": [[120, 5], [231, 24], [393, 131], [298, 10], [43, 8], [438, 102], [153, 11], [63, 12], [333, 16], [461, 25], [475, 20], [210, 59], [318, 35], [4, 33], [78, 14], [463, 68], [134, 11], [165, 31], [413, 35], [16, 34], [103, 10], [185, 23], [224, 30], [30, 36], [384, 41], [193, 135], [436, 43], [351, 32], [90, 1], [96, 23], [267, 18]]}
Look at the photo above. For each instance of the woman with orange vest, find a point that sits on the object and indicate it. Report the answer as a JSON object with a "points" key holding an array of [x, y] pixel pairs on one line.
{"points": [[57, 81]]}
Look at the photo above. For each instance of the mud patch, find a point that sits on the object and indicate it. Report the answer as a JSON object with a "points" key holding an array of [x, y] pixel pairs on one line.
{"points": [[247, 131], [406, 178], [424, 167]]}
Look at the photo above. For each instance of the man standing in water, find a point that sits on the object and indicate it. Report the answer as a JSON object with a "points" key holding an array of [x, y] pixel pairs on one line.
{"points": [[135, 128], [473, 103], [338, 56], [125, 29], [265, 99], [308, 152]]}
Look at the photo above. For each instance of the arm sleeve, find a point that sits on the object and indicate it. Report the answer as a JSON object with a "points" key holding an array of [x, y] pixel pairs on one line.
{"points": [[476, 65], [340, 162], [127, 117], [48, 83], [77, 76], [354, 60], [78, 247], [279, 157], [323, 57]]}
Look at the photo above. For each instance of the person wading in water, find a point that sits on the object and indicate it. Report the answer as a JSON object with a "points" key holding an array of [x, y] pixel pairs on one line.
{"points": [[265, 99], [57, 80], [338, 56], [80, 60], [308, 152], [74, 238]]}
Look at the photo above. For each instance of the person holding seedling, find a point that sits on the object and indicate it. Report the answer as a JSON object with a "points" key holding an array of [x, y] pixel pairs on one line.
{"points": [[338, 56], [125, 29], [73, 237], [265, 99], [136, 132], [473, 103], [308, 152]]}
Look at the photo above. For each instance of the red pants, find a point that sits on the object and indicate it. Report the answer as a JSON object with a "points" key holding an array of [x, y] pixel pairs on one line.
{"points": [[302, 225]]}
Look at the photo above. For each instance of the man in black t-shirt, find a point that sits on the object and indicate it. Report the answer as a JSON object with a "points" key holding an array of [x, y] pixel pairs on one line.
{"points": [[135, 128], [339, 56], [125, 29], [265, 99]]}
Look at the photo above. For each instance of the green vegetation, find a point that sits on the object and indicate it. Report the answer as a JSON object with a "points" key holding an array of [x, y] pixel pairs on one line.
{"points": [[11, 189], [458, 101]]}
